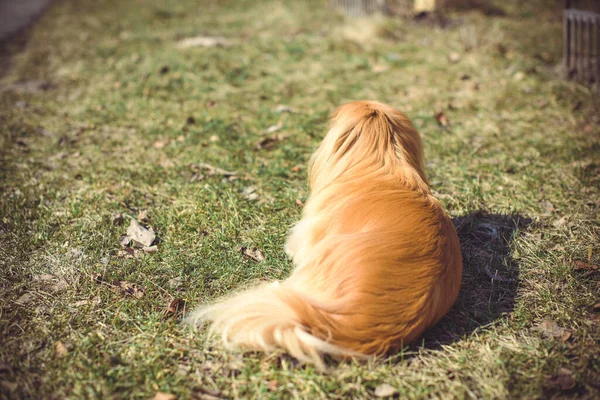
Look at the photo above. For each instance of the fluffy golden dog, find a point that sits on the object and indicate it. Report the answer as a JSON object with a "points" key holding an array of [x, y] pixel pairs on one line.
{"points": [[377, 258]]}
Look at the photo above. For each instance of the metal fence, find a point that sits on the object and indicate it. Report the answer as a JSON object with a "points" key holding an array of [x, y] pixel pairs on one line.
{"points": [[360, 8], [582, 45]]}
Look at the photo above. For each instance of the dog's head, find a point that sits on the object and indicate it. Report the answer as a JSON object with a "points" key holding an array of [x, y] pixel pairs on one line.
{"points": [[368, 137]]}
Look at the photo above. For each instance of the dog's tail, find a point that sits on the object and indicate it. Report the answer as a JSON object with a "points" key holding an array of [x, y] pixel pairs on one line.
{"points": [[272, 317]]}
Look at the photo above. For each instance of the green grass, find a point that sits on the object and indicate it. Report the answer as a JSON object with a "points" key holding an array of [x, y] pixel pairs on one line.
{"points": [[518, 168]]}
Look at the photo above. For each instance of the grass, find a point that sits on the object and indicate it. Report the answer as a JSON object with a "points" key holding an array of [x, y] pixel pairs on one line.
{"points": [[116, 119]]}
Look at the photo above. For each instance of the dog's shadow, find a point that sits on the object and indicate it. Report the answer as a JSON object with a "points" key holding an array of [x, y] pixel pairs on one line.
{"points": [[490, 276]]}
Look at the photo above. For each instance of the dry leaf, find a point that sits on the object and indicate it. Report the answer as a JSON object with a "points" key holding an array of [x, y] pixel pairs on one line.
{"points": [[580, 265], [9, 386], [203, 41], [24, 299], [272, 129], [164, 396], [253, 253], [300, 202], [250, 193], [548, 206], [269, 142], [596, 307], [118, 218], [297, 168], [379, 68], [143, 216], [60, 349], [139, 235], [283, 108], [563, 380], [211, 170], [273, 385], [550, 329], [206, 393], [174, 283], [126, 288], [159, 144], [562, 221], [385, 390], [27, 87], [150, 249], [442, 119], [60, 285], [454, 57], [175, 307]]}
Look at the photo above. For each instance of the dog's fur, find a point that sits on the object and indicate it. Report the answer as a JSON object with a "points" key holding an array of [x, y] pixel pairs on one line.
{"points": [[377, 259]]}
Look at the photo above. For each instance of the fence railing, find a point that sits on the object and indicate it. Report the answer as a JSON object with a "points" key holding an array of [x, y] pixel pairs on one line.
{"points": [[360, 8], [582, 46]]}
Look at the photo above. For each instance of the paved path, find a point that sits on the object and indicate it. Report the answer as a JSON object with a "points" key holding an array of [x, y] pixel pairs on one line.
{"points": [[15, 14]]}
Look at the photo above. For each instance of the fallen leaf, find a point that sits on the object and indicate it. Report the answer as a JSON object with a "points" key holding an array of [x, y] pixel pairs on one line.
{"points": [[269, 142], [211, 170], [253, 253], [580, 265], [118, 218], [300, 202], [596, 308], [143, 216], [44, 278], [164, 396], [150, 249], [379, 68], [9, 386], [205, 393], [203, 41], [24, 299], [249, 193], [442, 119], [126, 288], [454, 57], [562, 380], [33, 86], [551, 330], [588, 129], [385, 390], [175, 307], [139, 235], [284, 109], [272, 129], [297, 168], [519, 76], [273, 385], [175, 282], [159, 144], [548, 206], [562, 221], [60, 349], [60, 285]]}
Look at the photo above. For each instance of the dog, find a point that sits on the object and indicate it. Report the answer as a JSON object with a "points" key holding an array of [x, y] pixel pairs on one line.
{"points": [[377, 259]]}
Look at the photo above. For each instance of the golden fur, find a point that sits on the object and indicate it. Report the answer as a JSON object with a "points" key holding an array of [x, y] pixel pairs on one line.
{"points": [[377, 258]]}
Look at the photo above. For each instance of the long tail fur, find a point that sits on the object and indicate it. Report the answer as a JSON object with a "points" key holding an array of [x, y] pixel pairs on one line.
{"points": [[268, 318]]}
